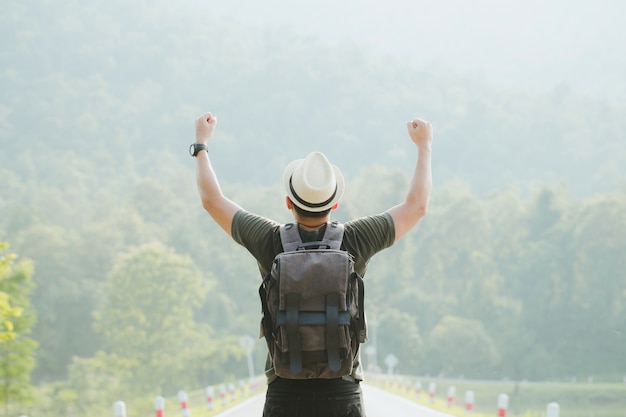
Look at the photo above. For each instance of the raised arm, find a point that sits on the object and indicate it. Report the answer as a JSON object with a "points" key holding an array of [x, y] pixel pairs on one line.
{"points": [[407, 214], [219, 207]]}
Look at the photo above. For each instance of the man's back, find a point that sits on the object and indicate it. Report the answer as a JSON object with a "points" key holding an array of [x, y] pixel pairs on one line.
{"points": [[362, 239], [313, 189]]}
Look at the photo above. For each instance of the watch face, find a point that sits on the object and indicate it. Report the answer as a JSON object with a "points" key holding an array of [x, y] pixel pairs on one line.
{"points": [[195, 148]]}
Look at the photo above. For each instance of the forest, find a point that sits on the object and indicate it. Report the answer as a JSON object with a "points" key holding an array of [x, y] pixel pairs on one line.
{"points": [[113, 279]]}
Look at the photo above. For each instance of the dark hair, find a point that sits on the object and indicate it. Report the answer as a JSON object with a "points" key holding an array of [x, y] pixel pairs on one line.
{"points": [[314, 214]]}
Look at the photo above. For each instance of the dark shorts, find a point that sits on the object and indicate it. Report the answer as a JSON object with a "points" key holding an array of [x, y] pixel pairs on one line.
{"points": [[313, 398]]}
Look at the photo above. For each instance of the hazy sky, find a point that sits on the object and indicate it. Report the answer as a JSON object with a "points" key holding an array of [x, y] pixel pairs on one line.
{"points": [[531, 43]]}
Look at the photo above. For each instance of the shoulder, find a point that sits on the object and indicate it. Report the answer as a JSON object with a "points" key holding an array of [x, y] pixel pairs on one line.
{"points": [[366, 236], [259, 235], [379, 226], [370, 234], [247, 227]]}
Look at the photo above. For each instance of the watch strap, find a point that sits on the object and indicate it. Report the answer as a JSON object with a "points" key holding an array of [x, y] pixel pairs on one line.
{"points": [[195, 148]]}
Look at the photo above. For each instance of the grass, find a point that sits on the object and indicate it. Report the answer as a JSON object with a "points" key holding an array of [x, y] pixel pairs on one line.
{"points": [[526, 399], [197, 402]]}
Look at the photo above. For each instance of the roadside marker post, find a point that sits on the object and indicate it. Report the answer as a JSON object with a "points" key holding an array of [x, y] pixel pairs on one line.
{"points": [[159, 406], [432, 387], [418, 389], [552, 410], [223, 394], [183, 398], [503, 405], [119, 409], [210, 397], [451, 394], [232, 391], [469, 402]]}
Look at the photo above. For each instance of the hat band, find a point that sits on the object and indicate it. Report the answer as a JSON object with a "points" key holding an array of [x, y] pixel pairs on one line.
{"points": [[306, 203]]}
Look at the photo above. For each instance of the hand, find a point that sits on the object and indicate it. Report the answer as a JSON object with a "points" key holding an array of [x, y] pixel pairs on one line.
{"points": [[421, 132], [205, 125]]}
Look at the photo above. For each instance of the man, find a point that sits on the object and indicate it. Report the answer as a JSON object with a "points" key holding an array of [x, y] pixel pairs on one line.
{"points": [[314, 188]]}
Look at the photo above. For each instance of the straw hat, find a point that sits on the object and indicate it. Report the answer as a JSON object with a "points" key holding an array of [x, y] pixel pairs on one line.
{"points": [[312, 183]]}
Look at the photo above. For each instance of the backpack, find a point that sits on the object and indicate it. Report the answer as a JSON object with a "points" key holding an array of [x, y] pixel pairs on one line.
{"points": [[312, 302]]}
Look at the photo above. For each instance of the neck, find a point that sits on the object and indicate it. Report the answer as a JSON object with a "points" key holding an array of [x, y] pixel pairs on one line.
{"points": [[309, 226], [311, 223]]}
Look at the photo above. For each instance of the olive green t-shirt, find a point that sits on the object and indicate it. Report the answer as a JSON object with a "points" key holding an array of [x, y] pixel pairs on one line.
{"points": [[362, 238]]}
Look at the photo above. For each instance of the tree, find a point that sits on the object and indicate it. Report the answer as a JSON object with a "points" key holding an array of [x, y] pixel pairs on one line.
{"points": [[16, 321], [148, 318], [460, 346], [63, 305], [397, 333]]}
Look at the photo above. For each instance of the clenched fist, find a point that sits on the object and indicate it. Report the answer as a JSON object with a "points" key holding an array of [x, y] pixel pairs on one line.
{"points": [[205, 125], [421, 132]]}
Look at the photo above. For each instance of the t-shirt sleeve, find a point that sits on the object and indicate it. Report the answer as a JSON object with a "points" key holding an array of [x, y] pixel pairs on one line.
{"points": [[257, 234], [366, 236], [378, 231]]}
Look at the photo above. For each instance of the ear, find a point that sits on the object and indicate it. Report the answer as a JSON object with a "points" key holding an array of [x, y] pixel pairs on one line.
{"points": [[289, 203], [335, 206]]}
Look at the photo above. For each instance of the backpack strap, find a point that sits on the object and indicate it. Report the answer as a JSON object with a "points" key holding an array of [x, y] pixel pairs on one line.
{"points": [[289, 237], [291, 241], [332, 331], [295, 339], [333, 234]]}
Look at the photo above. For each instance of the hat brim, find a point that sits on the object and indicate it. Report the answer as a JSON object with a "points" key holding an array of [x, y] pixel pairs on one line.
{"points": [[341, 186]]}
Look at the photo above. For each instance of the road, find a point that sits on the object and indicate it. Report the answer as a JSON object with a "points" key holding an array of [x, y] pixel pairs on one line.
{"points": [[378, 403]]}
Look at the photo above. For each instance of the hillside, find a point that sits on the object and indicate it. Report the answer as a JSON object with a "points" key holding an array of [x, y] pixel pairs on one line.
{"points": [[110, 84]]}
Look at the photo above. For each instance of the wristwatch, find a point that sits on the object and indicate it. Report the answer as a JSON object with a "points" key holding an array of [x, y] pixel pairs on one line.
{"points": [[194, 148]]}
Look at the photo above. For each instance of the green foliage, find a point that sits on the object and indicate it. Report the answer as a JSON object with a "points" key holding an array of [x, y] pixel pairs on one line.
{"points": [[478, 355], [8, 313], [83, 68], [16, 321], [148, 318], [398, 334], [93, 382]]}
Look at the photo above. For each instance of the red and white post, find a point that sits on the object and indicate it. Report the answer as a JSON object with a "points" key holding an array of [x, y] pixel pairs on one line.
{"points": [[119, 409], [432, 387], [503, 405], [418, 389], [451, 394], [159, 406], [210, 397], [184, 406], [232, 391], [469, 402], [223, 394]]}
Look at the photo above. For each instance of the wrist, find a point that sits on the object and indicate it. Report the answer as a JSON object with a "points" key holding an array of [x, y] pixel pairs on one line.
{"points": [[196, 148], [425, 147]]}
